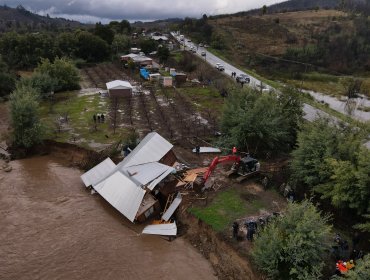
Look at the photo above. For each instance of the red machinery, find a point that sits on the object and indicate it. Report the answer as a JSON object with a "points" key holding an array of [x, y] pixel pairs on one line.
{"points": [[243, 166]]}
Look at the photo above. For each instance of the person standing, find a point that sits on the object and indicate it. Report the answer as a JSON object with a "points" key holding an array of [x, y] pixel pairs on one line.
{"points": [[197, 150], [235, 230]]}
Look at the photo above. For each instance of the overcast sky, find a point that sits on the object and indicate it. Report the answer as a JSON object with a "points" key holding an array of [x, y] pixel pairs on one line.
{"points": [[106, 10]]}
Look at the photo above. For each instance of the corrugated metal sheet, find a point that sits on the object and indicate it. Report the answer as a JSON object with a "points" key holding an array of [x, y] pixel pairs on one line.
{"points": [[208, 150], [145, 173], [118, 84], [161, 229], [156, 181], [122, 193], [98, 173], [175, 203], [152, 148]]}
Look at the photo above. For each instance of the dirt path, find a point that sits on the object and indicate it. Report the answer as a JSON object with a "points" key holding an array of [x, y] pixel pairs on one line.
{"points": [[52, 228]]}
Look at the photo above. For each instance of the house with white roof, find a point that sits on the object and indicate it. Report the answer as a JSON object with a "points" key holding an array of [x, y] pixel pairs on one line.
{"points": [[119, 88], [129, 186]]}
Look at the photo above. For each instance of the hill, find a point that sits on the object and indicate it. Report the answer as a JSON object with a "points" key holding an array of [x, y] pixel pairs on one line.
{"points": [[19, 19], [291, 46]]}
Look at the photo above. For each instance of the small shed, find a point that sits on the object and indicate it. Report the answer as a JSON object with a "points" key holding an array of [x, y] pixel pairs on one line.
{"points": [[180, 78], [166, 81], [154, 77], [119, 88]]}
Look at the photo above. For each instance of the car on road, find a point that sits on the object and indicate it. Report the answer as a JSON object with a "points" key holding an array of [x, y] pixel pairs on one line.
{"points": [[201, 45], [193, 50], [220, 67], [243, 78], [203, 53]]}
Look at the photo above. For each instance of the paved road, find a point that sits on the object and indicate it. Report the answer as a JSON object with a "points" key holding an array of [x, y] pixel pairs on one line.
{"points": [[311, 113]]}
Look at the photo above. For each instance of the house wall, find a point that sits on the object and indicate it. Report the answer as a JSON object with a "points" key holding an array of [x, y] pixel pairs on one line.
{"points": [[155, 209], [169, 158]]}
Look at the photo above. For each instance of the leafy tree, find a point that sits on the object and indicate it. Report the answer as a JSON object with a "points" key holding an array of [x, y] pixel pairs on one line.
{"points": [[104, 32], [264, 9], [27, 130], [91, 48], [42, 82], [294, 245], [315, 142], [331, 160], [148, 45], [255, 121], [7, 79], [63, 71], [66, 44], [163, 53], [121, 43]]}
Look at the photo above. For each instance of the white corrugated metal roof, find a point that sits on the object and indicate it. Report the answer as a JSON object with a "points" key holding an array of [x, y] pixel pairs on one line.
{"points": [[156, 181], [175, 203], [208, 150], [161, 229], [130, 55], [152, 148], [118, 84], [98, 173], [145, 173], [122, 193]]}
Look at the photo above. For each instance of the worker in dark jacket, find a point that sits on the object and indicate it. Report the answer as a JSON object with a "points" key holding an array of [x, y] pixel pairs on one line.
{"points": [[251, 229], [235, 230]]}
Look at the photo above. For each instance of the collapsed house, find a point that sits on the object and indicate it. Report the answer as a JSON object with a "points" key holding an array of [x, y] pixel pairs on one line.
{"points": [[140, 183]]}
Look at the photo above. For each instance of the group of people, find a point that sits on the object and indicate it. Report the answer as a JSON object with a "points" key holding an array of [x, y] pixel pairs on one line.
{"points": [[100, 118], [341, 253], [233, 74], [252, 226]]}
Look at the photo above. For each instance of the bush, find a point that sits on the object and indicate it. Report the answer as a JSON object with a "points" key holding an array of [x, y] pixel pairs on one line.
{"points": [[27, 130], [294, 245], [63, 71]]}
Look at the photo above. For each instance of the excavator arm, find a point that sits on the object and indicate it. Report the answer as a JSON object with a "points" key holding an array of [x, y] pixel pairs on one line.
{"points": [[218, 160]]}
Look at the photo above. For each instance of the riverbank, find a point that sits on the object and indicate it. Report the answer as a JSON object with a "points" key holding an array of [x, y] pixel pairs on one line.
{"points": [[54, 229]]}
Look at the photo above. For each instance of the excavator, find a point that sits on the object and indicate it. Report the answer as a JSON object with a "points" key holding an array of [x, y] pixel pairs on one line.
{"points": [[245, 166]]}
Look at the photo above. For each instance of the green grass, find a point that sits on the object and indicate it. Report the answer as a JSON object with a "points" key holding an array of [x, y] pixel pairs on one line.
{"points": [[228, 206], [80, 110], [202, 98]]}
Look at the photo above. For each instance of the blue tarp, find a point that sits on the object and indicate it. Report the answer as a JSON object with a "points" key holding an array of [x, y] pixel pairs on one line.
{"points": [[144, 73]]}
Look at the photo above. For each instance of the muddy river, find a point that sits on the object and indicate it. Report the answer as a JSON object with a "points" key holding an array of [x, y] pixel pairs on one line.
{"points": [[52, 228]]}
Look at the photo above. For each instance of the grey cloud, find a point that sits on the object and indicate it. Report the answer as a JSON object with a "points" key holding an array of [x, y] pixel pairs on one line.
{"points": [[136, 9]]}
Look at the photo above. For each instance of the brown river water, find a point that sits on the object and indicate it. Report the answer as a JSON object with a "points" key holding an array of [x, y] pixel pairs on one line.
{"points": [[52, 228]]}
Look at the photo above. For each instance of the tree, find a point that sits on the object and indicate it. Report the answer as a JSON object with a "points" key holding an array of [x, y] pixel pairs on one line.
{"points": [[27, 130], [331, 160], [163, 53], [7, 79], [91, 48], [42, 82], [104, 32], [121, 43], [264, 9], [294, 245], [62, 71], [254, 121], [148, 45]]}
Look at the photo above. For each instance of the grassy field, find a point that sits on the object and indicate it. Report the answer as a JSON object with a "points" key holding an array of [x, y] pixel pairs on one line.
{"points": [[235, 203], [80, 126], [204, 97]]}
